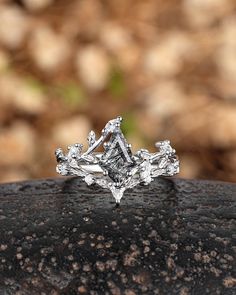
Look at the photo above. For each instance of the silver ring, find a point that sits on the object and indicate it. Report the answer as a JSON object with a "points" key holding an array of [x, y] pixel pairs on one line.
{"points": [[116, 168]]}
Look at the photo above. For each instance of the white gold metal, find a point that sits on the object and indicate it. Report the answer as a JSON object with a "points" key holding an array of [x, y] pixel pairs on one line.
{"points": [[116, 168]]}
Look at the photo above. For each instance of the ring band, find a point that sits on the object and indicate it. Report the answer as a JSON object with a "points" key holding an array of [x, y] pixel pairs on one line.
{"points": [[116, 168]]}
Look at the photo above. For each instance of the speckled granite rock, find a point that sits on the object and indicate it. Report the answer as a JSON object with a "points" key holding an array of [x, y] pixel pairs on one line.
{"points": [[175, 236]]}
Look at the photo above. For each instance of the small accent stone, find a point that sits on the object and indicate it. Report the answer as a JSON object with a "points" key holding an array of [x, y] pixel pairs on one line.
{"points": [[89, 179]]}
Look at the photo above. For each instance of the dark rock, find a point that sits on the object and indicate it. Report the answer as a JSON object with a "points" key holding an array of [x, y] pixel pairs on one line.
{"points": [[174, 236]]}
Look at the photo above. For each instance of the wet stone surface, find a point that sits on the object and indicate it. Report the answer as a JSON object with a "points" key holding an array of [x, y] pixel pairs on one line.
{"points": [[174, 236]]}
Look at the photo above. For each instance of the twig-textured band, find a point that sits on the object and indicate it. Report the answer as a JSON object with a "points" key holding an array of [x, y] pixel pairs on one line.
{"points": [[116, 168]]}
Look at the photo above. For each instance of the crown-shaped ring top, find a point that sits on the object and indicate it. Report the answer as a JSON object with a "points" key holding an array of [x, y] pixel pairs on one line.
{"points": [[116, 168]]}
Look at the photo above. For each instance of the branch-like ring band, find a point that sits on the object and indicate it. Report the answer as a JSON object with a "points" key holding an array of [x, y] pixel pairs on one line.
{"points": [[116, 168]]}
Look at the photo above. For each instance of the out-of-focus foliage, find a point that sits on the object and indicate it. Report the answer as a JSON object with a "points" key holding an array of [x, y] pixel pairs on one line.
{"points": [[71, 93], [116, 85], [167, 66]]}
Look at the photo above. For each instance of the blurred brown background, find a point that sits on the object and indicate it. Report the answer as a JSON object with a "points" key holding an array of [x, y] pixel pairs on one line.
{"points": [[167, 66]]}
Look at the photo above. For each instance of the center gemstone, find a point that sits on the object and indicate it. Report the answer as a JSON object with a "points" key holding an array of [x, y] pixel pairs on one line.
{"points": [[117, 158]]}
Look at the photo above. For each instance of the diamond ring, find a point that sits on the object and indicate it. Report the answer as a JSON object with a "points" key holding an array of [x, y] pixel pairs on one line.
{"points": [[116, 168]]}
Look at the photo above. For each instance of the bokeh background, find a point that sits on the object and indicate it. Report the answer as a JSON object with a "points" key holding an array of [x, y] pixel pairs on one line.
{"points": [[167, 66]]}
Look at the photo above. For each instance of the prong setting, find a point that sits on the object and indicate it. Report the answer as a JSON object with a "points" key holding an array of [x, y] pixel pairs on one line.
{"points": [[116, 168]]}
